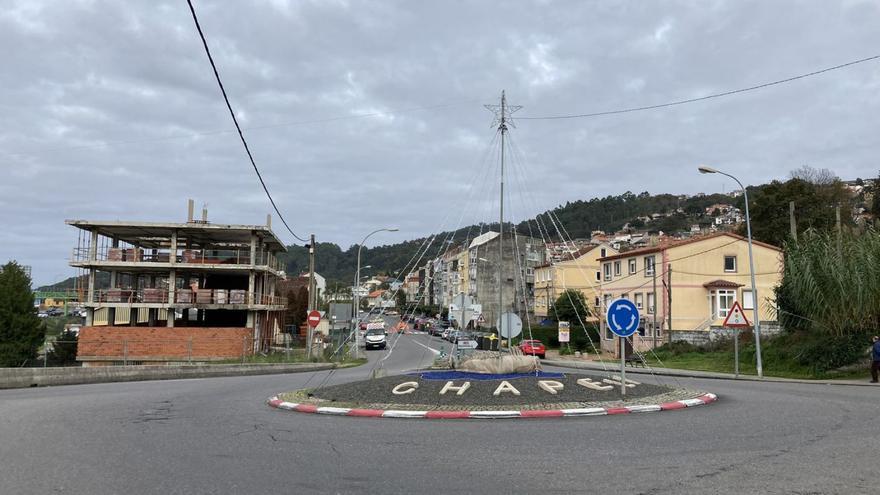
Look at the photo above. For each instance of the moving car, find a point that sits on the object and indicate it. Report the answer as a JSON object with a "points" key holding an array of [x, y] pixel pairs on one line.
{"points": [[375, 338], [533, 348]]}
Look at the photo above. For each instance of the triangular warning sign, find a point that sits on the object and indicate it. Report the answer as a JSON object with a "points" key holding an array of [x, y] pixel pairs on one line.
{"points": [[736, 317]]}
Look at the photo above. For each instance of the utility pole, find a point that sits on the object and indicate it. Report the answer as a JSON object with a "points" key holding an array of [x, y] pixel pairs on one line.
{"points": [[791, 220], [669, 302], [838, 227], [654, 308], [311, 332]]}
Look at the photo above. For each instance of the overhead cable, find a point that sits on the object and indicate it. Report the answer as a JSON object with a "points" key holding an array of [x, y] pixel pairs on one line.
{"points": [[235, 121], [701, 98]]}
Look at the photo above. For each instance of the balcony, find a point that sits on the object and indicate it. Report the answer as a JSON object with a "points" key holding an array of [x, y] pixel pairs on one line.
{"points": [[188, 257], [186, 297]]}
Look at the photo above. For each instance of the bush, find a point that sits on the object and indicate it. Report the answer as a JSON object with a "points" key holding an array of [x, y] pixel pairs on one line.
{"points": [[64, 349], [678, 348], [550, 337]]}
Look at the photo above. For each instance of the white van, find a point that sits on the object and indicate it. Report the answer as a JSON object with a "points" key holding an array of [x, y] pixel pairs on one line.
{"points": [[375, 338]]}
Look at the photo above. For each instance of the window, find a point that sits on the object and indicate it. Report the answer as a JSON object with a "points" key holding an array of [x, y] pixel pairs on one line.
{"points": [[730, 263], [720, 301], [624, 296], [632, 266], [607, 268], [649, 266], [597, 301], [639, 300], [616, 268], [748, 300], [598, 275], [602, 253], [651, 302]]}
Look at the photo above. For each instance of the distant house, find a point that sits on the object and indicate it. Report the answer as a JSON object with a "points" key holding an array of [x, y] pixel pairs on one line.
{"points": [[580, 272], [708, 274], [375, 298]]}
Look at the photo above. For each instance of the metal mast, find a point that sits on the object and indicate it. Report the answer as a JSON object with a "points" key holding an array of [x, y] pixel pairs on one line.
{"points": [[502, 118]]}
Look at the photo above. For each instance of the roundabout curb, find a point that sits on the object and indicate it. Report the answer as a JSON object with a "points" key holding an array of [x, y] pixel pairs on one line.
{"points": [[500, 414]]}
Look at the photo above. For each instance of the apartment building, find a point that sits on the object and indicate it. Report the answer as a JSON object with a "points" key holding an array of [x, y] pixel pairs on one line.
{"points": [[193, 291], [702, 276], [581, 271]]}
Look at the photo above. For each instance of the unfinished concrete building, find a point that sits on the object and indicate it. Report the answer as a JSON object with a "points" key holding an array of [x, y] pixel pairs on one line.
{"points": [[177, 292]]}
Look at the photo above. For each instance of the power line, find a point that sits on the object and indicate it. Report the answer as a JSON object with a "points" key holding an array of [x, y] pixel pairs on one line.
{"points": [[708, 97], [235, 120]]}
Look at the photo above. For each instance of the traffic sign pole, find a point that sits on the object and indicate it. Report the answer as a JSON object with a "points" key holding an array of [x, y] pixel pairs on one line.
{"points": [[736, 352], [622, 318], [623, 366]]}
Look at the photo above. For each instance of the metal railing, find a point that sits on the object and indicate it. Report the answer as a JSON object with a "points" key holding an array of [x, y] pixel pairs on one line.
{"points": [[181, 256], [186, 296]]}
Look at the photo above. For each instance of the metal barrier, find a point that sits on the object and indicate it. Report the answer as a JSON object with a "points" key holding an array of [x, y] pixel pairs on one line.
{"points": [[186, 296], [181, 256]]}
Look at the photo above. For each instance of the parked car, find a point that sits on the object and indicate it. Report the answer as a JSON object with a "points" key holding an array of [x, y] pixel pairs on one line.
{"points": [[533, 347], [375, 339]]}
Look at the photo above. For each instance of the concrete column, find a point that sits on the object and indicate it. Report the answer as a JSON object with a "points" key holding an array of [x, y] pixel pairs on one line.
{"points": [[111, 312], [93, 256], [172, 278], [252, 273]]}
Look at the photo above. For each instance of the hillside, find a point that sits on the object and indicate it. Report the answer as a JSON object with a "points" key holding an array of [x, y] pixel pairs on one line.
{"points": [[815, 200]]}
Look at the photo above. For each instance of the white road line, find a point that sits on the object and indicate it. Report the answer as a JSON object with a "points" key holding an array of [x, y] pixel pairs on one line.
{"points": [[435, 351]]}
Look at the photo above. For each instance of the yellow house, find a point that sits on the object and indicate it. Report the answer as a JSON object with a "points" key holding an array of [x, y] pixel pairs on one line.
{"points": [[582, 272], [706, 275]]}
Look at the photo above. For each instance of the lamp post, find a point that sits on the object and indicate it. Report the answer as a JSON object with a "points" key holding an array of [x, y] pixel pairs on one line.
{"points": [[357, 280], [755, 301]]}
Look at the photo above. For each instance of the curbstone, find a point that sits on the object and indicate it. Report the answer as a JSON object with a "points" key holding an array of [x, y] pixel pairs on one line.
{"points": [[468, 414]]}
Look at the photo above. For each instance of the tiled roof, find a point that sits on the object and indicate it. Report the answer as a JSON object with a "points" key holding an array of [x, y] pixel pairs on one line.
{"points": [[722, 283], [673, 244]]}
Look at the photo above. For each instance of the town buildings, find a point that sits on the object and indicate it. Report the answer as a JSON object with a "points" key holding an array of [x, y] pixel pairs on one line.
{"points": [[684, 289], [193, 291], [581, 272]]}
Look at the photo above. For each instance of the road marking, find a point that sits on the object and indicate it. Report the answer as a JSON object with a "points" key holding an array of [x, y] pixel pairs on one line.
{"points": [[435, 351]]}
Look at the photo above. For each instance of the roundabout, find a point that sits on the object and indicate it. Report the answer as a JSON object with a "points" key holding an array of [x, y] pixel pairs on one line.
{"points": [[466, 395]]}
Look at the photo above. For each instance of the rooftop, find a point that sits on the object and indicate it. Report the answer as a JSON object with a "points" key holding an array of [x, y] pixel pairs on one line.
{"points": [[157, 234]]}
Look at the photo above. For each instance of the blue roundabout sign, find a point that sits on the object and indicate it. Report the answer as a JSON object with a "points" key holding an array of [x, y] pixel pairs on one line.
{"points": [[622, 317]]}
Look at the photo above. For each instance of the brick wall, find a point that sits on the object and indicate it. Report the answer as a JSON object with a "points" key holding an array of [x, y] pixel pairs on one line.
{"points": [[163, 343]]}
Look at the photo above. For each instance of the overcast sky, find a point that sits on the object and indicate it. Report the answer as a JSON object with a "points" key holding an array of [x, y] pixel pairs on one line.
{"points": [[369, 114]]}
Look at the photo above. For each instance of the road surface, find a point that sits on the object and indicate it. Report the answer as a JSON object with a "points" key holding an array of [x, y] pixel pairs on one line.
{"points": [[218, 436]]}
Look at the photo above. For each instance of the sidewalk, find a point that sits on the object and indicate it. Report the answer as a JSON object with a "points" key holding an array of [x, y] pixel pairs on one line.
{"points": [[592, 364]]}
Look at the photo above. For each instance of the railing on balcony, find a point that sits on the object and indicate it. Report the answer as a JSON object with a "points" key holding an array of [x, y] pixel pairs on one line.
{"points": [[187, 296], [189, 256]]}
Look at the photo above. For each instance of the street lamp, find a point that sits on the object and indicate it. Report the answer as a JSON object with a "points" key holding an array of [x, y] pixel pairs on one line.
{"points": [[755, 301], [355, 296]]}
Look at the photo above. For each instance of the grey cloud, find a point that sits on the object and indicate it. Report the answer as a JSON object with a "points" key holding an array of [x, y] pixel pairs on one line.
{"points": [[109, 109]]}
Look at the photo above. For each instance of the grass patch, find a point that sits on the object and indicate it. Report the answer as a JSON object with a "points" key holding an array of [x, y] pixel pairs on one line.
{"points": [[786, 356]]}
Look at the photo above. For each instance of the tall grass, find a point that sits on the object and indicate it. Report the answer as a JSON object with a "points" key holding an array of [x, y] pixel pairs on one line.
{"points": [[831, 284]]}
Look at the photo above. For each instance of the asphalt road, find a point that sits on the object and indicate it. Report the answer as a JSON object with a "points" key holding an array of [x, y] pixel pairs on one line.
{"points": [[218, 436]]}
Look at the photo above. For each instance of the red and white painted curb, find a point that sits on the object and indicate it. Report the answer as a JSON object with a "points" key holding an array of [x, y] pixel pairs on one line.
{"points": [[549, 413]]}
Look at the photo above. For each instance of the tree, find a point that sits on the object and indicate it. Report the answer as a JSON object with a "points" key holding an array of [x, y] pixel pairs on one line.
{"points": [[297, 307], [815, 204], [400, 299], [21, 332], [64, 349], [571, 306]]}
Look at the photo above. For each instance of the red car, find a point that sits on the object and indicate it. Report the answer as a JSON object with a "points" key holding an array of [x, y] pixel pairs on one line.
{"points": [[533, 347]]}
